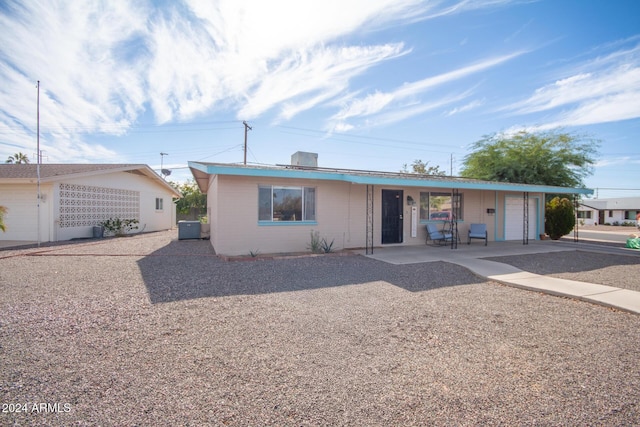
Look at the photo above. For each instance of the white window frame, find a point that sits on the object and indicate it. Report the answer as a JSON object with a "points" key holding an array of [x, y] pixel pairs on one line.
{"points": [[459, 218], [304, 191]]}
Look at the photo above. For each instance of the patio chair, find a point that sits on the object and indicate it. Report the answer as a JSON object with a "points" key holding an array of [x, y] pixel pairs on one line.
{"points": [[437, 236], [478, 231]]}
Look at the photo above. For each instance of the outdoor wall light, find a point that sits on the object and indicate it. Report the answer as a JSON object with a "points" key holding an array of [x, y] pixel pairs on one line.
{"points": [[410, 201]]}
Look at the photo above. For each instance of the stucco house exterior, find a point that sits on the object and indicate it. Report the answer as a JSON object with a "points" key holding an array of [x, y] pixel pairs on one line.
{"points": [[615, 211], [274, 209], [76, 197]]}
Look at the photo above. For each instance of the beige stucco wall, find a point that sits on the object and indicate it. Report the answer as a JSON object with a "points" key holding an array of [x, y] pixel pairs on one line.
{"points": [[150, 218], [234, 216], [21, 200], [475, 205], [341, 215]]}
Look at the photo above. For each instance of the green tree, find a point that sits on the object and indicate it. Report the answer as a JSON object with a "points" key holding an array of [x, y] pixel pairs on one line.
{"points": [[559, 217], [420, 167], [3, 211], [192, 197], [543, 158], [18, 158]]}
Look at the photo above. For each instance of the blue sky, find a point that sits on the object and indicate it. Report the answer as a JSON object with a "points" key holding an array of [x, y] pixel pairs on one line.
{"points": [[366, 84]]}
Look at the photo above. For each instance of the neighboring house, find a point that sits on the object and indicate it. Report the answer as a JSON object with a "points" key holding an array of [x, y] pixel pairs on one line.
{"points": [[76, 197], [275, 209], [609, 211]]}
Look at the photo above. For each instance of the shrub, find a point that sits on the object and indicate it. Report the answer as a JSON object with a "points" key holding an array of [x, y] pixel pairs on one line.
{"points": [[3, 211], [314, 246], [559, 217], [326, 246], [119, 227], [319, 245]]}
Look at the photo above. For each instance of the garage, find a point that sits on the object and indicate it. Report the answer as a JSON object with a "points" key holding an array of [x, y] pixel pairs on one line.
{"points": [[514, 214], [22, 213]]}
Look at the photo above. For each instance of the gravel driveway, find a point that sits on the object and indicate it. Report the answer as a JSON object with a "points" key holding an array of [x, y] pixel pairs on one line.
{"points": [[149, 330]]}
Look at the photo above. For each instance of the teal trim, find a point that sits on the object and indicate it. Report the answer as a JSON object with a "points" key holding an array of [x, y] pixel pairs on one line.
{"points": [[371, 178], [285, 223]]}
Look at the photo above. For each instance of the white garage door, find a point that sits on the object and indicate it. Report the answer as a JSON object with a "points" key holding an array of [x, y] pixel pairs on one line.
{"points": [[514, 212], [22, 214]]}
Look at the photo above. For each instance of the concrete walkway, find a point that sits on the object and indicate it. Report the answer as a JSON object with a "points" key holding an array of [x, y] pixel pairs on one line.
{"points": [[471, 257]]}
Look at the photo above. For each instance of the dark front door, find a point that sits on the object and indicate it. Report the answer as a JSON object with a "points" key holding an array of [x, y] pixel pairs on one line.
{"points": [[391, 216]]}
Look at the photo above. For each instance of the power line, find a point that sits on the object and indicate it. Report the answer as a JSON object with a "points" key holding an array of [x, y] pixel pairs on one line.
{"points": [[330, 135], [155, 128]]}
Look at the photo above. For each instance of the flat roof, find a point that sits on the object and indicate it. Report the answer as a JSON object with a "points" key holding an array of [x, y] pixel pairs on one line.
{"points": [[201, 171]]}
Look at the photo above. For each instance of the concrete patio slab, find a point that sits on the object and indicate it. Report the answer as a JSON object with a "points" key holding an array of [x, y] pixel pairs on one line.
{"points": [[471, 257]]}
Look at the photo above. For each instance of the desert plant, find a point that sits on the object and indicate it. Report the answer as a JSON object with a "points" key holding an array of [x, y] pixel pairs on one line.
{"points": [[254, 253], [559, 217], [315, 245], [319, 245], [3, 211], [119, 227], [325, 246]]}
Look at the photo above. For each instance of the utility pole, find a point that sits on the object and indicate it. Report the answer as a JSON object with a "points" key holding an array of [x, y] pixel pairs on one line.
{"points": [[162, 162], [451, 164], [246, 128], [39, 158]]}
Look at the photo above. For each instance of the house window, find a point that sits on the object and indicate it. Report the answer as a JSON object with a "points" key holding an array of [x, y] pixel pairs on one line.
{"points": [[159, 203], [584, 214], [286, 204], [610, 214], [438, 206], [630, 214]]}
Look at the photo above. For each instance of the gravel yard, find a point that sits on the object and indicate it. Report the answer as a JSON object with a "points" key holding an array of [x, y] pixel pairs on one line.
{"points": [[149, 330]]}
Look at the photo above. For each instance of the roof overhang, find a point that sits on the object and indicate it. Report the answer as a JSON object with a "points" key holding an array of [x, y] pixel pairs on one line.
{"points": [[201, 172], [139, 169]]}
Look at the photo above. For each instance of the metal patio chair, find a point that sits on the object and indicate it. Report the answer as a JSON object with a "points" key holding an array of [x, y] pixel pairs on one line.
{"points": [[478, 231], [437, 236]]}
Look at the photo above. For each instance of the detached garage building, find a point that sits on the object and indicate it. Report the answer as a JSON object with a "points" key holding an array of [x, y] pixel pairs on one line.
{"points": [[275, 208], [76, 197]]}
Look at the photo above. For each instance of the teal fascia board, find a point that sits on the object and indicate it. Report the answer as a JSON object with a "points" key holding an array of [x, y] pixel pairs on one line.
{"points": [[266, 172], [373, 179]]}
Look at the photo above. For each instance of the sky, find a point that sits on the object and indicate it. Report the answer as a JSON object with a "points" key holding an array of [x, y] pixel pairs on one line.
{"points": [[366, 84]]}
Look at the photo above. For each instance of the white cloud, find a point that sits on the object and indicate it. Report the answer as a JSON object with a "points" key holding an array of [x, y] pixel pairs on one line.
{"points": [[327, 70], [72, 50], [605, 89], [467, 107], [402, 97], [101, 64]]}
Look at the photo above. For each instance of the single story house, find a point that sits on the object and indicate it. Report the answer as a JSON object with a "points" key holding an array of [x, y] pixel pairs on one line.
{"points": [[615, 211], [75, 197], [274, 209]]}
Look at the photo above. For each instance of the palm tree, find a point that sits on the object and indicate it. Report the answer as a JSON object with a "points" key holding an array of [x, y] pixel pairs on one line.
{"points": [[3, 211], [18, 158]]}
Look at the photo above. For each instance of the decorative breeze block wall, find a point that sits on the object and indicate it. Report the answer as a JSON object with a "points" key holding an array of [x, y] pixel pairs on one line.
{"points": [[86, 205]]}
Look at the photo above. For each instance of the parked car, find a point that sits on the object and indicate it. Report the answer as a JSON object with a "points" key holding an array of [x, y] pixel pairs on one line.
{"points": [[440, 216]]}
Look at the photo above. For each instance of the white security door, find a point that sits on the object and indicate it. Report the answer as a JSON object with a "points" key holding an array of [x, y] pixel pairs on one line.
{"points": [[514, 214]]}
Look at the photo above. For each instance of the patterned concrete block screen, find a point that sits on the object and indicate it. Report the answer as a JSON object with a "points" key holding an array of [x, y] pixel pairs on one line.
{"points": [[86, 205]]}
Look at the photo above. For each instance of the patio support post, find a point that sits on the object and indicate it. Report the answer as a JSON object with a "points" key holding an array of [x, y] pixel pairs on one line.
{"points": [[369, 221], [576, 205], [455, 210], [525, 218]]}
